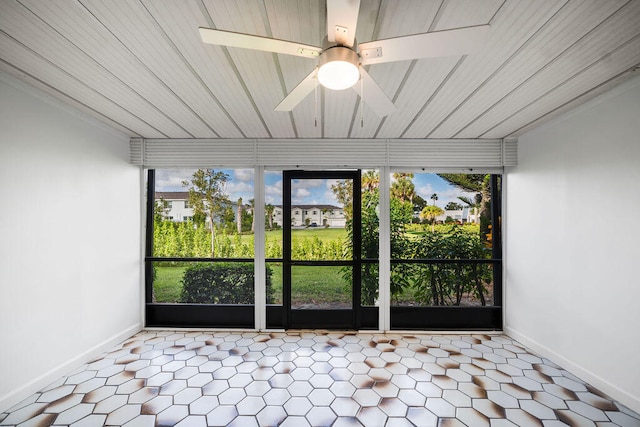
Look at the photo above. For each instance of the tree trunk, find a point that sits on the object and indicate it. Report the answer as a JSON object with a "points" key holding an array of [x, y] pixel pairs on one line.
{"points": [[239, 218], [212, 240], [485, 209]]}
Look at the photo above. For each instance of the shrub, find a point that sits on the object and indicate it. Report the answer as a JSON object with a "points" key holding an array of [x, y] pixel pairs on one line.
{"points": [[221, 283], [443, 283]]}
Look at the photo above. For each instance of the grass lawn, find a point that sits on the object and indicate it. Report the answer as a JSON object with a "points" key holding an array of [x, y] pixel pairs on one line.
{"points": [[321, 286], [323, 234], [167, 284], [311, 285]]}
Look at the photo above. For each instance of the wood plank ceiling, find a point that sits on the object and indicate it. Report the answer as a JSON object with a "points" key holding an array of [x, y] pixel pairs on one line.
{"points": [[140, 65]]}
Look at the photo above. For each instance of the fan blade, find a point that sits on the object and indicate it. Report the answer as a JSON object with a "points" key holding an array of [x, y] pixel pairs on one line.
{"points": [[373, 96], [440, 43], [342, 20], [248, 41], [298, 93]]}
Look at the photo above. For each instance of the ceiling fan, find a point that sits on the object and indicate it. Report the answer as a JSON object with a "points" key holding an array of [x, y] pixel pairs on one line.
{"points": [[341, 58]]}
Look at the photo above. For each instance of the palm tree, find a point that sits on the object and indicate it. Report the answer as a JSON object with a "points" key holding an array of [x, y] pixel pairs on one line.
{"points": [[481, 184], [253, 217], [269, 210], [403, 188], [434, 197], [473, 204], [430, 213], [370, 181], [239, 216]]}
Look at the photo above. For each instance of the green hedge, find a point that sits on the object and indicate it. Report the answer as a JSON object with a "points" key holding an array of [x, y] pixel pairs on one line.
{"points": [[221, 283]]}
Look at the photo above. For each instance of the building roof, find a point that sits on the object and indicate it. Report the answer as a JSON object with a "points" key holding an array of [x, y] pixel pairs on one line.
{"points": [[311, 206], [172, 195], [184, 195]]}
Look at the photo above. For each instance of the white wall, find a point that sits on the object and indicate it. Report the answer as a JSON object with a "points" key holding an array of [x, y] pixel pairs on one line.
{"points": [[572, 290], [69, 240]]}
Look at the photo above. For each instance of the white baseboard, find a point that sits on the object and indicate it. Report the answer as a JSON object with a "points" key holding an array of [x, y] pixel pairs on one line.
{"points": [[14, 397], [616, 393]]}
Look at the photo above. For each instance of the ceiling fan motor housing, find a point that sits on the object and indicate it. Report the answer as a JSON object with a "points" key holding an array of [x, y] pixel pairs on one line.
{"points": [[338, 68]]}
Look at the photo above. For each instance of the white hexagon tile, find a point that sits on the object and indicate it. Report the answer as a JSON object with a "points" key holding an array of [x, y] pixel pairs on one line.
{"points": [[167, 378]]}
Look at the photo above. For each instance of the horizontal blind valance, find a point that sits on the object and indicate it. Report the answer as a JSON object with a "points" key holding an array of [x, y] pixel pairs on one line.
{"points": [[330, 153], [448, 153], [321, 152], [193, 152]]}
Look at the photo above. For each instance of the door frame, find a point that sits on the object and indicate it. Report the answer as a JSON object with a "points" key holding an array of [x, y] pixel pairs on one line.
{"points": [[322, 318]]}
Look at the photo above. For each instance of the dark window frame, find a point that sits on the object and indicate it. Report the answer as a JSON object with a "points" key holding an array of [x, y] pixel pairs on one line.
{"points": [[460, 317], [243, 316], [187, 315]]}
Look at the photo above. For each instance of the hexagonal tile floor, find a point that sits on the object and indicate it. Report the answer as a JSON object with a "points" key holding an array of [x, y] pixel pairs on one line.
{"points": [[166, 378]]}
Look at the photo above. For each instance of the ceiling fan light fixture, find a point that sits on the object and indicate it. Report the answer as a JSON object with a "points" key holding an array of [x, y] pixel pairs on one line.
{"points": [[338, 68]]}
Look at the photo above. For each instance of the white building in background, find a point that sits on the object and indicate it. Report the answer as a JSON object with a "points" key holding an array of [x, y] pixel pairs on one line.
{"points": [[312, 215], [463, 216], [177, 202], [178, 210]]}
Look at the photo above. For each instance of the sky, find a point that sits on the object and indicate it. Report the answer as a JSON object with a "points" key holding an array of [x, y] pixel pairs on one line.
{"points": [[310, 191]]}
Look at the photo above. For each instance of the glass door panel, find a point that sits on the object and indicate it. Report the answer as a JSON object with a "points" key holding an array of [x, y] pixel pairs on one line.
{"points": [[321, 287], [321, 249]]}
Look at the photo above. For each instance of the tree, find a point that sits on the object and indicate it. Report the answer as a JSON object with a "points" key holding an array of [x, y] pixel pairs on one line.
{"points": [[481, 184], [208, 197], [268, 208], [370, 181], [403, 188], [247, 218], [161, 210], [453, 206], [226, 221], [239, 216], [434, 197], [430, 213], [473, 204], [252, 202], [418, 203], [343, 191], [465, 181]]}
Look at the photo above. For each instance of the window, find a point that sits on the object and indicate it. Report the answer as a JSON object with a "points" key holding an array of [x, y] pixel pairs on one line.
{"points": [[370, 201], [439, 256], [274, 235], [444, 240], [207, 259]]}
